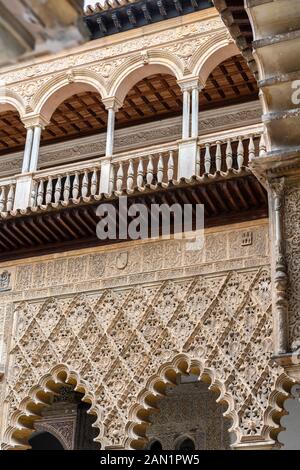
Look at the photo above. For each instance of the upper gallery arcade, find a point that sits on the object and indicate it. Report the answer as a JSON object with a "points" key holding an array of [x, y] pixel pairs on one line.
{"points": [[161, 106], [104, 116]]}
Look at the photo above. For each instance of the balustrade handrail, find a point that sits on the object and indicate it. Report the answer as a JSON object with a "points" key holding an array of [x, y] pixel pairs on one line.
{"points": [[245, 132], [148, 167]]}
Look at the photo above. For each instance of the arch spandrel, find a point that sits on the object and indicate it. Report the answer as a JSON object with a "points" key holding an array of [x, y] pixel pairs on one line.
{"points": [[214, 327], [11, 101], [213, 52], [64, 85], [140, 66]]}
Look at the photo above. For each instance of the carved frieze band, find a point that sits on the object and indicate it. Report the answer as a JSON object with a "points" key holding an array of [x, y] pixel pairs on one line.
{"points": [[145, 262]]}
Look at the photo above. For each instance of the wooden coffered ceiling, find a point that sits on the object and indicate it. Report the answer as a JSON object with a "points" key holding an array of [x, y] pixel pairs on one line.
{"points": [[155, 97]]}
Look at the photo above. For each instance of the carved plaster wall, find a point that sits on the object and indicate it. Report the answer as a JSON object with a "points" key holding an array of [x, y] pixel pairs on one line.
{"points": [[292, 253], [121, 332]]}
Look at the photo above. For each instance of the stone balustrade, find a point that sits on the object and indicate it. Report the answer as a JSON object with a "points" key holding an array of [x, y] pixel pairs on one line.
{"points": [[136, 171], [66, 187], [7, 196]]}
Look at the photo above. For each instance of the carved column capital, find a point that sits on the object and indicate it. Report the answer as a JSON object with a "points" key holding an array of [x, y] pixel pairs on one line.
{"points": [[190, 83], [111, 102], [36, 120]]}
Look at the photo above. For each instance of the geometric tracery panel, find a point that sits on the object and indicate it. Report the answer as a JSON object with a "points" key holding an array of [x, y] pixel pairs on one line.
{"points": [[116, 339]]}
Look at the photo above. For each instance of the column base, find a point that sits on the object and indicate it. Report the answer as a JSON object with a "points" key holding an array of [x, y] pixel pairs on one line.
{"points": [[23, 191], [105, 175], [187, 157]]}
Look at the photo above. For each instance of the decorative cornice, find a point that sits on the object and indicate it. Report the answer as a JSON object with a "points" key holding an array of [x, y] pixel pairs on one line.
{"points": [[170, 31], [114, 17]]}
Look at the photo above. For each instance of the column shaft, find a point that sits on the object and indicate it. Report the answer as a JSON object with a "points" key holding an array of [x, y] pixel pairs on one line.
{"points": [[110, 132], [195, 111], [27, 151], [35, 148], [186, 114]]}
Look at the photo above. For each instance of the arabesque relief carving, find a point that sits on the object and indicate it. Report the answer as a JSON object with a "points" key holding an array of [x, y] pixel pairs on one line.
{"points": [[292, 253], [116, 339], [133, 315]]}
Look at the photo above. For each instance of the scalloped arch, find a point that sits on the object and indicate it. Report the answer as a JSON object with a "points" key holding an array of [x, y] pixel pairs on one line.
{"points": [[63, 86], [10, 100], [217, 49], [140, 66], [154, 390], [22, 420], [275, 410]]}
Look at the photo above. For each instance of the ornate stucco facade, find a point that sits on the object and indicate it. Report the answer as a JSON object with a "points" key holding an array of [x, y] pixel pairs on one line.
{"points": [[123, 324]]}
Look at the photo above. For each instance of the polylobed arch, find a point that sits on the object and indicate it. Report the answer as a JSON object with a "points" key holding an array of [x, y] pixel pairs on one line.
{"points": [[290, 422], [21, 426], [283, 391], [154, 391], [184, 364]]}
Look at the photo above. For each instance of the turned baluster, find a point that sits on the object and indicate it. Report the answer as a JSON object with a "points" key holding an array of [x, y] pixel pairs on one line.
{"points": [[262, 146], [229, 159], [198, 163], [2, 199], [251, 149], [218, 156], [57, 191], [140, 174], [111, 179], [33, 194], [171, 166], [85, 184], [75, 189], [94, 182], [120, 176], [130, 175], [67, 187], [240, 153], [40, 195], [207, 158], [10, 198], [160, 169], [149, 176], [49, 190]]}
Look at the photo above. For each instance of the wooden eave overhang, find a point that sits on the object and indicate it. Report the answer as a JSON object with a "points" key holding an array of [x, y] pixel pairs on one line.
{"points": [[235, 18], [234, 196], [123, 16]]}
